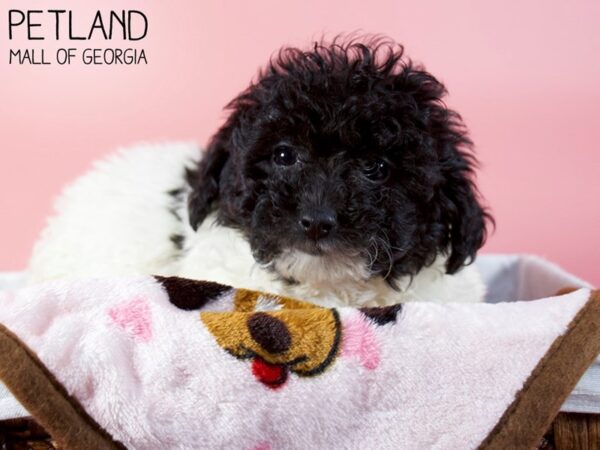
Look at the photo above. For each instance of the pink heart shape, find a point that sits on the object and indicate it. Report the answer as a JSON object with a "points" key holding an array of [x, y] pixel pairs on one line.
{"points": [[262, 446], [134, 318], [359, 341]]}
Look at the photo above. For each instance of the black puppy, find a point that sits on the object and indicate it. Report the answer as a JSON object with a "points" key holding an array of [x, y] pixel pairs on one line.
{"points": [[346, 151]]}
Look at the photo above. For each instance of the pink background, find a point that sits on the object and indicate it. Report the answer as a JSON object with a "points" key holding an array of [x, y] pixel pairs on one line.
{"points": [[524, 75]]}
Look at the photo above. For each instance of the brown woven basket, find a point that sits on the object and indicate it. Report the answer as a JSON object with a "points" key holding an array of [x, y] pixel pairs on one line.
{"points": [[24, 434]]}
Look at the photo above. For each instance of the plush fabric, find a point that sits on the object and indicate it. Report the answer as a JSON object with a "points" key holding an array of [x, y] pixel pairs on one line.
{"points": [[150, 363]]}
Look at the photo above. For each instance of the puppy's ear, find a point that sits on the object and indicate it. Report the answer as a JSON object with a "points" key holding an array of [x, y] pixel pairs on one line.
{"points": [[457, 213], [466, 220], [204, 179]]}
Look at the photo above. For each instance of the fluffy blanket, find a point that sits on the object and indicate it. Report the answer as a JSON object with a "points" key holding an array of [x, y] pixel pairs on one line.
{"points": [[149, 363]]}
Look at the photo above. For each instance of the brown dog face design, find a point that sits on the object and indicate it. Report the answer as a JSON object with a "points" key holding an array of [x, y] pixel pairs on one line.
{"points": [[279, 334]]}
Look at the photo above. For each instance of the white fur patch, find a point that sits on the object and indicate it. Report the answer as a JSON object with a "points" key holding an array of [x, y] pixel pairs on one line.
{"points": [[266, 304], [323, 269]]}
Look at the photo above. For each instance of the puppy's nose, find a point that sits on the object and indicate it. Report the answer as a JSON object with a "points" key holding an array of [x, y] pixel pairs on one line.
{"points": [[318, 223]]}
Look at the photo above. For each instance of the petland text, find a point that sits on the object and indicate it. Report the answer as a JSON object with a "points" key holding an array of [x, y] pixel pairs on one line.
{"points": [[60, 25]]}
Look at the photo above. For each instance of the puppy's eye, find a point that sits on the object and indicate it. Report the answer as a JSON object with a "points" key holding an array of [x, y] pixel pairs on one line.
{"points": [[284, 155], [377, 170]]}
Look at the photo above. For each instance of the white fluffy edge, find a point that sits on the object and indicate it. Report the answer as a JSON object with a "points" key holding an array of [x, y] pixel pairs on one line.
{"points": [[115, 220]]}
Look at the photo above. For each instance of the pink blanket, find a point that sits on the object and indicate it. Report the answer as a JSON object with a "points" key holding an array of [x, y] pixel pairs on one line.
{"points": [[169, 363]]}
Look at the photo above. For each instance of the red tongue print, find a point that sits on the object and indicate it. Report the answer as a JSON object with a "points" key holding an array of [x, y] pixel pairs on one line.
{"points": [[272, 375]]}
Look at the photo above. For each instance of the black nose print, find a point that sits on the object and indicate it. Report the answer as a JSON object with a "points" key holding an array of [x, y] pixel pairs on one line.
{"points": [[269, 332], [318, 224]]}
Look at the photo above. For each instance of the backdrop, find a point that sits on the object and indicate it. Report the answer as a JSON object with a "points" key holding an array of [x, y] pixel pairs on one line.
{"points": [[524, 75]]}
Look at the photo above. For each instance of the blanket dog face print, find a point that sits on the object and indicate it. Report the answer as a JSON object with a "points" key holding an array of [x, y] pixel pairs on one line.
{"points": [[281, 335]]}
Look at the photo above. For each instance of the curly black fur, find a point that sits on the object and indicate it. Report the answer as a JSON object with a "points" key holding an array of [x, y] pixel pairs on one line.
{"points": [[341, 106]]}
